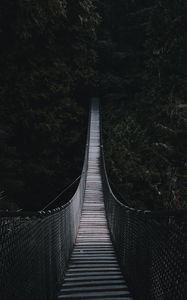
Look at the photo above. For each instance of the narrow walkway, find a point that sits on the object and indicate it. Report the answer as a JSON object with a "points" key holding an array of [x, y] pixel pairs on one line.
{"points": [[93, 271]]}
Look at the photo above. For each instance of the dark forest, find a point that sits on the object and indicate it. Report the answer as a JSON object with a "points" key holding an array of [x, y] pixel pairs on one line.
{"points": [[54, 56]]}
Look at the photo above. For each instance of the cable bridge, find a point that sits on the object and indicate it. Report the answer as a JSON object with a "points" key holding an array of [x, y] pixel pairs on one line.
{"points": [[94, 247]]}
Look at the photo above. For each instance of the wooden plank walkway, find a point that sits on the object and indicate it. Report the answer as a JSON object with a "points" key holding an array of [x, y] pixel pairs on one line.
{"points": [[93, 271]]}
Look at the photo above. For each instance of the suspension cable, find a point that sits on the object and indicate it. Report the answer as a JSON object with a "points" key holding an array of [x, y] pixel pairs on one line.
{"points": [[61, 193]]}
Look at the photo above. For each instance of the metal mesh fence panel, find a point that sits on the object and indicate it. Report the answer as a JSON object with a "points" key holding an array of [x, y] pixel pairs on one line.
{"points": [[34, 250]]}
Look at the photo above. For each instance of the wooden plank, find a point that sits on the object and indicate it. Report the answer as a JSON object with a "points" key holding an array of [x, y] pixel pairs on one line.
{"points": [[82, 269], [92, 282], [92, 273], [84, 279], [102, 288], [90, 295]]}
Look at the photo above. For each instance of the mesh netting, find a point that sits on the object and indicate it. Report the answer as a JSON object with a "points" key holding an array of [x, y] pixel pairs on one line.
{"points": [[151, 248]]}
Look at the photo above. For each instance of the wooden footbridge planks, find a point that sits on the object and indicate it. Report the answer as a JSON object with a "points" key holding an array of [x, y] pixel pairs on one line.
{"points": [[93, 271]]}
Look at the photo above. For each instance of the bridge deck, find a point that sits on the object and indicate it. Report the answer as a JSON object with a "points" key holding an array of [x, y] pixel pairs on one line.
{"points": [[93, 271]]}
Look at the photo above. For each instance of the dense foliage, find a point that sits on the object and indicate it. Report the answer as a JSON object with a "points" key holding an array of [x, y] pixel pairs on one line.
{"points": [[143, 59], [47, 60]]}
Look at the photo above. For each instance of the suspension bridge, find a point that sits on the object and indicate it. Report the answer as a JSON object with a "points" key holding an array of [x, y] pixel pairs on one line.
{"points": [[94, 247]]}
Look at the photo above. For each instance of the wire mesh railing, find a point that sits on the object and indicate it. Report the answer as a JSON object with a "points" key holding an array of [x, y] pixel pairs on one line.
{"points": [[151, 247], [35, 247]]}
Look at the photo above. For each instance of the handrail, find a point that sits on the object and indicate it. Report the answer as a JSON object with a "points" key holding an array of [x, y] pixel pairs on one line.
{"points": [[61, 193], [35, 246], [151, 246]]}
